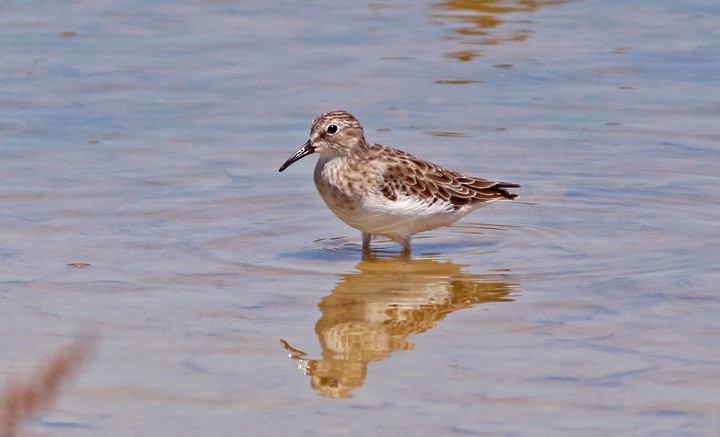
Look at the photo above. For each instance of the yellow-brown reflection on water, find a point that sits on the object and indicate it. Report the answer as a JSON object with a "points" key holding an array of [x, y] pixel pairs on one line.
{"points": [[479, 22], [370, 314]]}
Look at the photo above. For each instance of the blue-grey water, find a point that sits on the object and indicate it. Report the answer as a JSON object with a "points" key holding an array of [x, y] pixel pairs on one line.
{"points": [[143, 138]]}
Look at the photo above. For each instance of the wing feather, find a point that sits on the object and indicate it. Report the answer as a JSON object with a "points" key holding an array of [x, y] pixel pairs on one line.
{"points": [[408, 175]]}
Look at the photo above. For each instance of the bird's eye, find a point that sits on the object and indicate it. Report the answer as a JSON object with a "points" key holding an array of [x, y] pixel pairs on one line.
{"points": [[332, 129]]}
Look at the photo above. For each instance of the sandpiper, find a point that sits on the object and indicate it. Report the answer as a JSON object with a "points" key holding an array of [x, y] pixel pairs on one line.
{"points": [[384, 191]]}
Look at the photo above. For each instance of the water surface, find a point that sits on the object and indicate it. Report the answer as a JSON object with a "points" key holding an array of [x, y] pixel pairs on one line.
{"points": [[144, 138]]}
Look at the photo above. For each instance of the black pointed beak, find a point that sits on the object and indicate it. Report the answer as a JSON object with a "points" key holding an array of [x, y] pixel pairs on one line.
{"points": [[304, 151]]}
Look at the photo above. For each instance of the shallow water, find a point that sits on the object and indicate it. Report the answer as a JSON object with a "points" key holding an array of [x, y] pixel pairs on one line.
{"points": [[144, 138]]}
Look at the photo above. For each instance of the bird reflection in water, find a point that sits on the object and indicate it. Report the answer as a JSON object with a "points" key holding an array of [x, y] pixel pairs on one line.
{"points": [[370, 314], [481, 23]]}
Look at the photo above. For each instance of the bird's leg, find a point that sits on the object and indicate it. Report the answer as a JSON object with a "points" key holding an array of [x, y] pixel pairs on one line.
{"points": [[405, 243], [366, 252], [366, 241]]}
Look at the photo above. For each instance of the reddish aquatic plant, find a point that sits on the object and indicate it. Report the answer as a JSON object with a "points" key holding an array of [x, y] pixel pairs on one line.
{"points": [[29, 395]]}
